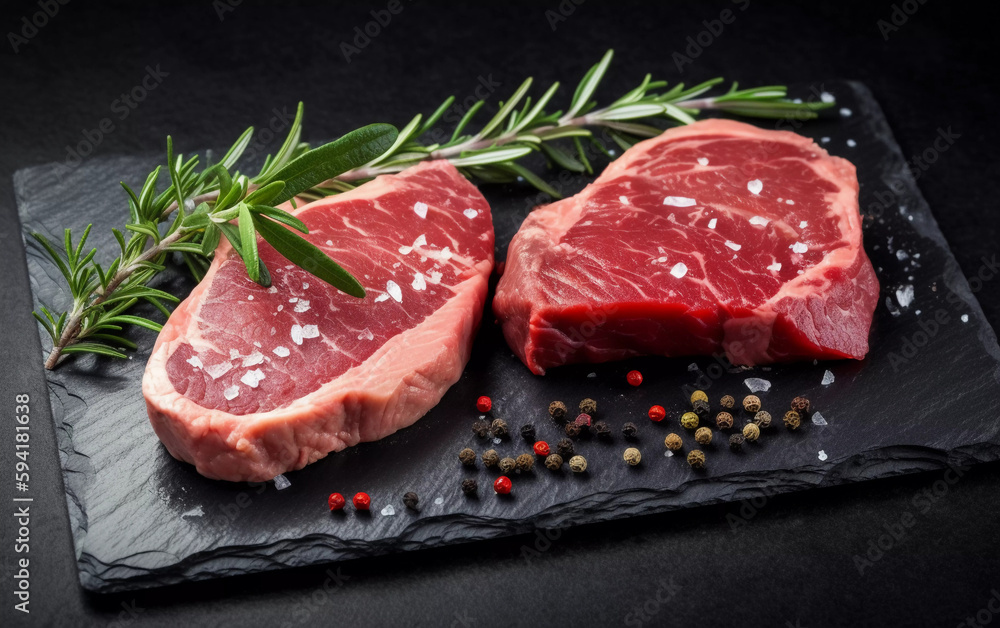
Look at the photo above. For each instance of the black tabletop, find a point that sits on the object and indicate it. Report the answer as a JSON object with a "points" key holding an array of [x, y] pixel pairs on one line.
{"points": [[915, 550]]}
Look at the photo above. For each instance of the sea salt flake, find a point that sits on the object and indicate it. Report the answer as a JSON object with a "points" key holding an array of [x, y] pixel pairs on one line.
{"points": [[305, 286], [249, 297], [281, 352], [679, 270], [272, 290], [231, 393], [852, 143], [679, 201], [195, 361], [302, 306], [623, 200], [281, 482], [438, 501], [218, 370], [434, 277], [759, 220], [693, 367], [382, 297], [775, 266], [233, 354], [799, 247], [818, 419], [418, 282], [420, 209], [388, 511], [712, 223], [803, 224], [197, 511], [253, 359], [394, 291], [822, 455], [310, 331], [668, 454], [281, 307], [252, 378], [733, 245], [702, 161], [497, 441], [366, 335], [297, 334], [844, 111], [293, 300], [904, 295], [329, 242], [591, 375], [789, 202], [827, 378], [471, 213], [756, 384], [824, 140], [755, 186], [965, 318], [827, 97]]}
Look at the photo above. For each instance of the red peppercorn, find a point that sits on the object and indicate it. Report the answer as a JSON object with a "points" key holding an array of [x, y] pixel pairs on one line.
{"points": [[634, 378], [657, 413], [362, 501], [502, 485], [542, 448], [336, 501], [484, 404]]}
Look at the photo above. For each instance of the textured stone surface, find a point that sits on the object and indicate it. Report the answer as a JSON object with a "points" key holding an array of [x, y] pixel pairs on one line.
{"points": [[142, 519]]}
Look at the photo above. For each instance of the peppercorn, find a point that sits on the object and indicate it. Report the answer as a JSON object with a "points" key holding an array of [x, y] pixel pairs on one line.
{"points": [[689, 420], [588, 406], [410, 500], [724, 420], [484, 404], [557, 410], [632, 456], [469, 486], [467, 456], [524, 462], [491, 458], [629, 430], [801, 405], [336, 501], [565, 448], [541, 448], [602, 429], [657, 414], [696, 458], [507, 465], [362, 501], [699, 395], [703, 435], [701, 408], [502, 485], [572, 430], [736, 442], [634, 378], [762, 419], [793, 420], [751, 432], [584, 421], [528, 432], [673, 442], [553, 462], [727, 402], [499, 428], [481, 428], [751, 403], [578, 464]]}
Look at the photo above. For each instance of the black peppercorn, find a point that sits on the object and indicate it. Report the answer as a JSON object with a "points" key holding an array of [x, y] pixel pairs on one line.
{"points": [[507, 465], [801, 405], [696, 458], [736, 442], [481, 428], [588, 406], [602, 429], [703, 436], [499, 428], [565, 448], [793, 420], [673, 442], [701, 408], [528, 432], [469, 487], [524, 462], [724, 420], [553, 462], [491, 458], [762, 419], [467, 456], [557, 410], [727, 402], [629, 430], [572, 429], [410, 500]]}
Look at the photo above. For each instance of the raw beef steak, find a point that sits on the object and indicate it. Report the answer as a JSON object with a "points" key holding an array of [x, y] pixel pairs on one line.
{"points": [[248, 382], [714, 237]]}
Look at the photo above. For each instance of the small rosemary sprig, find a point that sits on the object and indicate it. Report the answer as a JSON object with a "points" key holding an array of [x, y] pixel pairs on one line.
{"points": [[521, 127], [199, 208]]}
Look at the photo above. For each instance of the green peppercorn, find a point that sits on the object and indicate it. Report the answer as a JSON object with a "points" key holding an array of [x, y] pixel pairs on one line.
{"points": [[578, 464], [751, 432], [499, 428], [632, 456], [736, 442], [528, 432], [793, 420], [629, 430], [467, 457], [588, 406], [410, 500], [553, 462], [524, 462], [557, 410], [696, 458], [727, 402], [751, 403], [673, 442], [565, 448], [491, 458], [701, 408], [699, 395], [689, 420], [481, 428], [602, 429], [762, 419], [572, 429], [801, 405], [724, 420], [703, 436], [469, 486], [507, 465]]}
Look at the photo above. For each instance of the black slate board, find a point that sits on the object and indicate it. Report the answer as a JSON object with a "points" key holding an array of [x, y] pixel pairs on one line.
{"points": [[142, 519]]}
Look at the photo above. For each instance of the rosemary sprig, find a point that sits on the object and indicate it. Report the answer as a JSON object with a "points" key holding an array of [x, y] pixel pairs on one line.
{"points": [[198, 208], [521, 127]]}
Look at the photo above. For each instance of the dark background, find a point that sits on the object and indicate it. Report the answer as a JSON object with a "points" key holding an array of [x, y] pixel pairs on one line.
{"points": [[792, 561]]}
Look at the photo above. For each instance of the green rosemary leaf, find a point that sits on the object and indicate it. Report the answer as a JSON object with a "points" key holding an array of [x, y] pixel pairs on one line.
{"points": [[146, 230], [113, 341], [464, 122], [233, 235], [93, 347], [306, 255], [491, 156], [148, 191], [562, 158], [54, 255], [588, 85], [139, 321], [284, 154], [583, 155], [505, 109], [280, 215], [533, 179], [175, 177], [249, 238], [559, 133], [185, 247], [198, 220], [210, 241], [405, 134], [236, 150], [46, 325], [434, 117], [265, 194]]}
